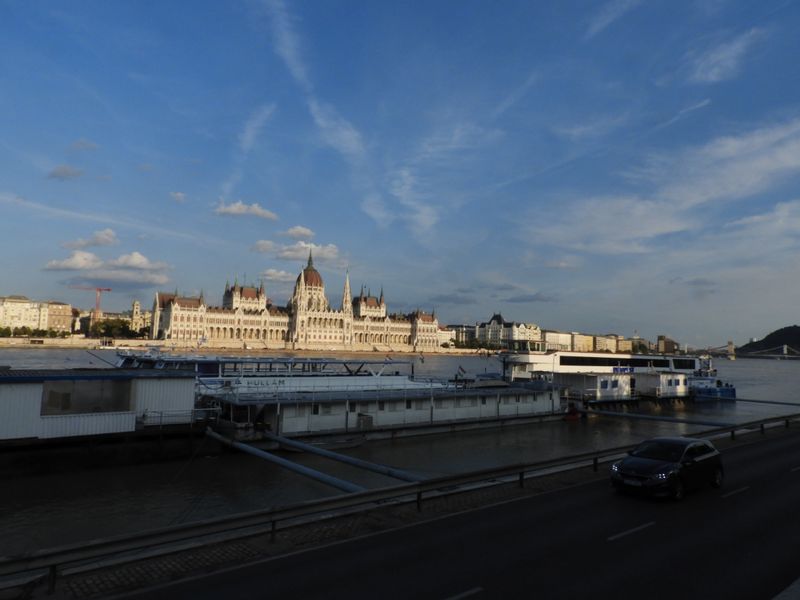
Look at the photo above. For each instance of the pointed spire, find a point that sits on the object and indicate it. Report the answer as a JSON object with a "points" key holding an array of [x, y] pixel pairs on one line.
{"points": [[227, 285], [347, 300], [310, 259], [381, 298]]}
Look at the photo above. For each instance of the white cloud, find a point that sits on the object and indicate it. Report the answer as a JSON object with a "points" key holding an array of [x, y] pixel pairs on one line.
{"points": [[253, 127], [610, 12], [105, 237], [239, 208], [64, 172], [299, 232], [279, 276], [128, 268], [137, 261], [300, 250], [264, 246], [179, 197], [78, 260], [722, 61]]}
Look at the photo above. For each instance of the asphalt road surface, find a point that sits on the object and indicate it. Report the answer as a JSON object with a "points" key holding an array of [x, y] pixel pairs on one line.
{"points": [[742, 541]]}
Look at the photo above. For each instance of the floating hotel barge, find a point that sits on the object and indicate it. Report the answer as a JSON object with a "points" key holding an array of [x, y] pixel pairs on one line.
{"points": [[304, 396], [601, 376], [41, 406]]}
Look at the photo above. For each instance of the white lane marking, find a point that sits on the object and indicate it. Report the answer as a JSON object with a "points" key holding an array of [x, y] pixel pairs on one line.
{"points": [[466, 594], [739, 491], [630, 531]]}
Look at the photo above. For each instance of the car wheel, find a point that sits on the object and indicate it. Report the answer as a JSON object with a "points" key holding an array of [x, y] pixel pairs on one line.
{"points": [[678, 490], [716, 480]]}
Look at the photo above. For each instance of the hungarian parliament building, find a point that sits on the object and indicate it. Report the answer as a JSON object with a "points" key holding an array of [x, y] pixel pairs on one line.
{"points": [[249, 320]]}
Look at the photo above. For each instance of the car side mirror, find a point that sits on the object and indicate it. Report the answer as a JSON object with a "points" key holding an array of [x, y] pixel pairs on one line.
{"points": [[687, 461]]}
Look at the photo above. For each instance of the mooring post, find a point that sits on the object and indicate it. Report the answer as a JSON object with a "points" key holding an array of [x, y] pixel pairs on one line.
{"points": [[595, 462], [272, 530], [419, 501], [733, 434], [763, 431], [522, 479]]}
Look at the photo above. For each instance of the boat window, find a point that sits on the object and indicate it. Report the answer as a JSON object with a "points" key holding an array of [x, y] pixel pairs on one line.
{"points": [[85, 397], [604, 385], [207, 368], [615, 384]]}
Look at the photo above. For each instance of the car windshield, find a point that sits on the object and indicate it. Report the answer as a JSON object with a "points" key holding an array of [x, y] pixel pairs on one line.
{"points": [[659, 450]]}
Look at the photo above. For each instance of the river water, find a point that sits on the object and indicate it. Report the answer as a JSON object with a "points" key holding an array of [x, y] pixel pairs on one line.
{"points": [[45, 509]]}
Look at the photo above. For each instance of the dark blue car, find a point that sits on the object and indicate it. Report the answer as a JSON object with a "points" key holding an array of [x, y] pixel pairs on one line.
{"points": [[668, 466]]}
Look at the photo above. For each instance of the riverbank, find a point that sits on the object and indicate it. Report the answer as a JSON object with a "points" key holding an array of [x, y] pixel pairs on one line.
{"points": [[83, 343]]}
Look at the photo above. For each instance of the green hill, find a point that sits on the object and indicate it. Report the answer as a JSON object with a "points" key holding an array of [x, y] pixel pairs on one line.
{"points": [[787, 335]]}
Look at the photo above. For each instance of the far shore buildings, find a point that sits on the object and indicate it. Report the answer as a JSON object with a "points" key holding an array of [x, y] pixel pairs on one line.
{"points": [[19, 311], [247, 318]]}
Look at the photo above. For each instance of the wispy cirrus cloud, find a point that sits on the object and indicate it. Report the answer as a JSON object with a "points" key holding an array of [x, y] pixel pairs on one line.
{"points": [[83, 144], [240, 209], [337, 131], [179, 197], [723, 60], [248, 138], [529, 298], [593, 128], [105, 237], [683, 113], [728, 167], [147, 228], [64, 173], [610, 12], [253, 127], [286, 42]]}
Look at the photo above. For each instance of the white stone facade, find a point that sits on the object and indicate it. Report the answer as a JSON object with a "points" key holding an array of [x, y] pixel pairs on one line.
{"points": [[247, 318]]}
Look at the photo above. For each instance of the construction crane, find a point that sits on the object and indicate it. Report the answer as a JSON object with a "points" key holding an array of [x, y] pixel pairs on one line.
{"points": [[98, 291]]}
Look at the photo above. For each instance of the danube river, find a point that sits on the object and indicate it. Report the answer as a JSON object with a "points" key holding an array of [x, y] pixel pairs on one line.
{"points": [[61, 506]]}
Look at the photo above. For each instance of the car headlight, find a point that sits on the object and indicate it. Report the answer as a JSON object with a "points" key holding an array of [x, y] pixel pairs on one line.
{"points": [[664, 475], [615, 467]]}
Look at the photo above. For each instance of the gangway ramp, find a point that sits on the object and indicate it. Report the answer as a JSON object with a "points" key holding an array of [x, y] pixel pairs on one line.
{"points": [[356, 462], [339, 484]]}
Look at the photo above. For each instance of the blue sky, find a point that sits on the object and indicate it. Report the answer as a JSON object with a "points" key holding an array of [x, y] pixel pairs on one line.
{"points": [[607, 167]]}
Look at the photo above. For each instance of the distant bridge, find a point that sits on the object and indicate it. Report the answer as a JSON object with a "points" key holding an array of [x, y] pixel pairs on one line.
{"points": [[784, 351]]}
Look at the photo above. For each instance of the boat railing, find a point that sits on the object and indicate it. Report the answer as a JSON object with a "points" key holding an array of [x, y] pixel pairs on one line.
{"points": [[159, 418]]}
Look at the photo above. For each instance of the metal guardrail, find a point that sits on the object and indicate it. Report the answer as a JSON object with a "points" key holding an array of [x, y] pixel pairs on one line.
{"points": [[49, 563]]}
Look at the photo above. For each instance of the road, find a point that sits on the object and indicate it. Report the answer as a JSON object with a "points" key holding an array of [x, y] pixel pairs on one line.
{"points": [[742, 541]]}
